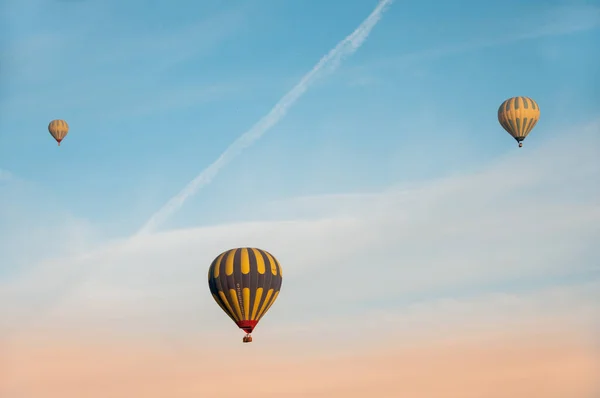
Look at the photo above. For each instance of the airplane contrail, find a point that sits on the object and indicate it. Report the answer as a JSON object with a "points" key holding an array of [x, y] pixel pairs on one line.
{"points": [[328, 63]]}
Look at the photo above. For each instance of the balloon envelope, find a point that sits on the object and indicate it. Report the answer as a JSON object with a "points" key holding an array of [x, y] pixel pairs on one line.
{"points": [[245, 282], [58, 129], [518, 116]]}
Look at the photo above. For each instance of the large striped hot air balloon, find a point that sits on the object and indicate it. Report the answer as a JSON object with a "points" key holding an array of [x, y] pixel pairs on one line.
{"points": [[58, 129], [245, 282], [518, 116]]}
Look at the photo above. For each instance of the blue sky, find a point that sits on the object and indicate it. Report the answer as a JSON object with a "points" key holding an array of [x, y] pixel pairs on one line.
{"points": [[155, 93]]}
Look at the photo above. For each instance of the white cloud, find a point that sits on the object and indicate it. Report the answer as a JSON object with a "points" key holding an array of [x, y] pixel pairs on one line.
{"points": [[527, 220], [94, 71], [34, 225], [571, 308], [5, 175], [554, 21]]}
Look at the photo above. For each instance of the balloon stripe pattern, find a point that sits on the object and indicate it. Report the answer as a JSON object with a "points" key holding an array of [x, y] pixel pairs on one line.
{"points": [[245, 282], [58, 129], [518, 116]]}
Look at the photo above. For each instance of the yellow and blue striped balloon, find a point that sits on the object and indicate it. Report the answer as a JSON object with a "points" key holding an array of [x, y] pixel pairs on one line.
{"points": [[245, 282], [518, 116]]}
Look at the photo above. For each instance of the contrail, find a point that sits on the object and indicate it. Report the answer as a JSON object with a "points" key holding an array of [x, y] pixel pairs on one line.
{"points": [[328, 63]]}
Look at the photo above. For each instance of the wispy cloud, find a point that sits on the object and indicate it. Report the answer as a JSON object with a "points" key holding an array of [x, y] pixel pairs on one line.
{"points": [[95, 72], [34, 225], [557, 21], [327, 64], [495, 230], [446, 349], [5, 175], [141, 49]]}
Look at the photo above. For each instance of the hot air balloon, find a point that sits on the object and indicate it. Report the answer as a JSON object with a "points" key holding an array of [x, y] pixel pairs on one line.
{"points": [[518, 116], [58, 129], [245, 282]]}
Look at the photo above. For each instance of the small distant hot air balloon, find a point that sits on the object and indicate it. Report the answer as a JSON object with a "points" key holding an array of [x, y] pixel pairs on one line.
{"points": [[518, 116], [245, 282], [58, 129]]}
